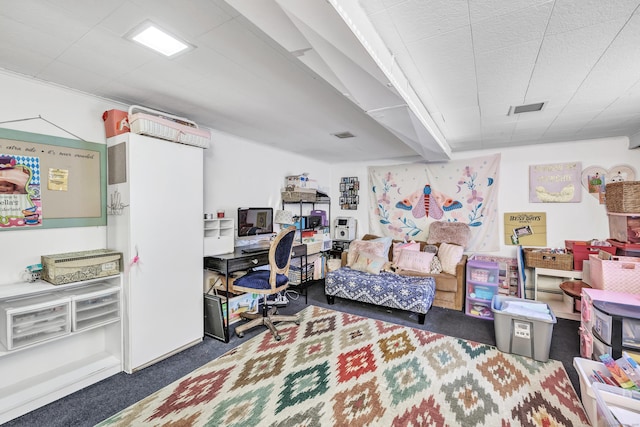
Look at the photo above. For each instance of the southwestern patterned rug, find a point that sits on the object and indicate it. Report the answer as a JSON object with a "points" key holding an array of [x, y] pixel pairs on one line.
{"points": [[338, 369]]}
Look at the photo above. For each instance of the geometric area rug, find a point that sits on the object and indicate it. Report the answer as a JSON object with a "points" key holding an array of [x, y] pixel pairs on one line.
{"points": [[339, 369]]}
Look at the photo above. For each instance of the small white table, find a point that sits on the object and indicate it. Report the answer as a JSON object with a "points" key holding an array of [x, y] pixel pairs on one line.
{"points": [[563, 274]]}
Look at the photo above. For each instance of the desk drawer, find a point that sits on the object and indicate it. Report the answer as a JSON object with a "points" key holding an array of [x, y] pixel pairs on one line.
{"points": [[254, 260]]}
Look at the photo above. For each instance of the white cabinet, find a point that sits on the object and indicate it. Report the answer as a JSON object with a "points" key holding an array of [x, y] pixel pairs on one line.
{"points": [[57, 340], [159, 231], [218, 236]]}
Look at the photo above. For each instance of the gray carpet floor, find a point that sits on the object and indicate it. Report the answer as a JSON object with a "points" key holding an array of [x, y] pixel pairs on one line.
{"points": [[99, 401]]}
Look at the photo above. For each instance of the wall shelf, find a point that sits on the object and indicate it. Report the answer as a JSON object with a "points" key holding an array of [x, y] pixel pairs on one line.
{"points": [[87, 349], [218, 236]]}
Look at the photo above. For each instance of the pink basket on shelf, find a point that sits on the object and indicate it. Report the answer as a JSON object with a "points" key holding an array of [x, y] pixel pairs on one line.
{"points": [[620, 274]]}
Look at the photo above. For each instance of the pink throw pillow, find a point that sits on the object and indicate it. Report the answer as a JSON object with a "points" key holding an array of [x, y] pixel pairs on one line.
{"points": [[415, 261], [376, 248], [398, 246]]}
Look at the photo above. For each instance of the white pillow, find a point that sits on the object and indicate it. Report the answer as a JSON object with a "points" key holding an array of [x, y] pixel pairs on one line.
{"points": [[450, 256], [414, 260], [369, 263], [436, 267]]}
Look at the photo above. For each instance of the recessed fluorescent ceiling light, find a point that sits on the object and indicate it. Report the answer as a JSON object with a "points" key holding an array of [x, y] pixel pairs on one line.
{"points": [[151, 36]]}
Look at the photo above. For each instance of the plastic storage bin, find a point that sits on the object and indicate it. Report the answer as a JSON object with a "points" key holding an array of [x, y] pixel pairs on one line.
{"points": [[612, 400], [597, 410], [521, 334]]}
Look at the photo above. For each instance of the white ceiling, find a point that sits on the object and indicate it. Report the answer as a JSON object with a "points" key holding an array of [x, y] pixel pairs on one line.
{"points": [[411, 79]]}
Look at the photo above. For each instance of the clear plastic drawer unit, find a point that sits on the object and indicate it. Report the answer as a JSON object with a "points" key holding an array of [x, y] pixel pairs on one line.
{"points": [[30, 320], [94, 305]]}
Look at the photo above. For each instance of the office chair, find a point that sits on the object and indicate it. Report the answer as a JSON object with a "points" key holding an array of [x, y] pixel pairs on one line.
{"points": [[268, 282]]}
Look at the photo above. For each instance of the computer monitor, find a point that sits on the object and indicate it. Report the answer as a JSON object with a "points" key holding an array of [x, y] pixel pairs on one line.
{"points": [[255, 221]]}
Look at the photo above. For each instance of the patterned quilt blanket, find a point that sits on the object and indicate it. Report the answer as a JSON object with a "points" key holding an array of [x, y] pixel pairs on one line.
{"points": [[386, 289]]}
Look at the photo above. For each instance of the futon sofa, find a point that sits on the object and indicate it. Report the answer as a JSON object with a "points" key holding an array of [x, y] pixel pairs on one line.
{"points": [[399, 288]]}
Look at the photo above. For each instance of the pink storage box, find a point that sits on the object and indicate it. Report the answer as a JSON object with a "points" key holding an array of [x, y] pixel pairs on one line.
{"points": [[620, 274], [145, 121], [624, 227]]}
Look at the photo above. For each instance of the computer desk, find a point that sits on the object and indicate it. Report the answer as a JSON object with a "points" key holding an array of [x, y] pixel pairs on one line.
{"points": [[237, 260]]}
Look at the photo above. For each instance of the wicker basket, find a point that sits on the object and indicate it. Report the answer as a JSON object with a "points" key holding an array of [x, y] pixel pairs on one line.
{"points": [[623, 197], [539, 258], [299, 196]]}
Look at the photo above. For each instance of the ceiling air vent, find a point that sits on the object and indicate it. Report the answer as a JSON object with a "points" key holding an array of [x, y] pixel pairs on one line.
{"points": [[343, 135], [526, 108]]}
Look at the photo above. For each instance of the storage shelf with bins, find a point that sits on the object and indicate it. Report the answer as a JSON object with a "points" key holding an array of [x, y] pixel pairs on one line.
{"points": [[56, 340], [302, 270], [482, 285], [219, 236]]}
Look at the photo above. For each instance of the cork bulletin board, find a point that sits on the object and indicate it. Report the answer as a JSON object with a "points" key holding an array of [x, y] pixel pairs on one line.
{"points": [[71, 175]]}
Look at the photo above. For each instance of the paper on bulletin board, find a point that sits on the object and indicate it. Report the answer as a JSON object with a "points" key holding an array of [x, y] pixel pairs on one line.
{"points": [[58, 179], [525, 228]]}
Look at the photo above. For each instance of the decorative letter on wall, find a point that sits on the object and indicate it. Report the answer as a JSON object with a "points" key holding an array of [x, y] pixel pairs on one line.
{"points": [[556, 183]]}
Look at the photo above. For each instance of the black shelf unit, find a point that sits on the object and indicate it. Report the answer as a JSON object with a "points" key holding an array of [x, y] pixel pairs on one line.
{"points": [[302, 207]]}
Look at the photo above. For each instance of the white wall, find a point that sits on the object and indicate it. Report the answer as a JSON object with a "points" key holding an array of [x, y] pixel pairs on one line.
{"points": [[76, 112], [238, 172], [565, 221], [242, 173]]}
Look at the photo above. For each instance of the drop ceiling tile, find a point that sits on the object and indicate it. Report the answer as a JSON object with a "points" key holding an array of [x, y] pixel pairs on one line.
{"points": [[453, 70], [591, 12], [480, 10], [371, 6], [422, 19], [46, 18], [17, 60], [515, 28], [13, 34], [566, 59], [188, 20], [91, 12], [73, 76], [115, 57], [505, 73]]}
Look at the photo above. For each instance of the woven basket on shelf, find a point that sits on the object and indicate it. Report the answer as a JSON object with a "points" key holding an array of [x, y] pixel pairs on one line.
{"points": [[537, 258], [298, 196], [623, 197]]}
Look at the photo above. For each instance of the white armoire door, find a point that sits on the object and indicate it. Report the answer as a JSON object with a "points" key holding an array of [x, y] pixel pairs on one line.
{"points": [[164, 249]]}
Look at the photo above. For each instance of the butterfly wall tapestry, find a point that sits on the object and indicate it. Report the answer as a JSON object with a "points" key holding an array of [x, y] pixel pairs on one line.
{"points": [[406, 199]]}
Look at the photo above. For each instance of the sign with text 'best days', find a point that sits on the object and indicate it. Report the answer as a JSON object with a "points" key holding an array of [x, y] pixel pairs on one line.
{"points": [[525, 228]]}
